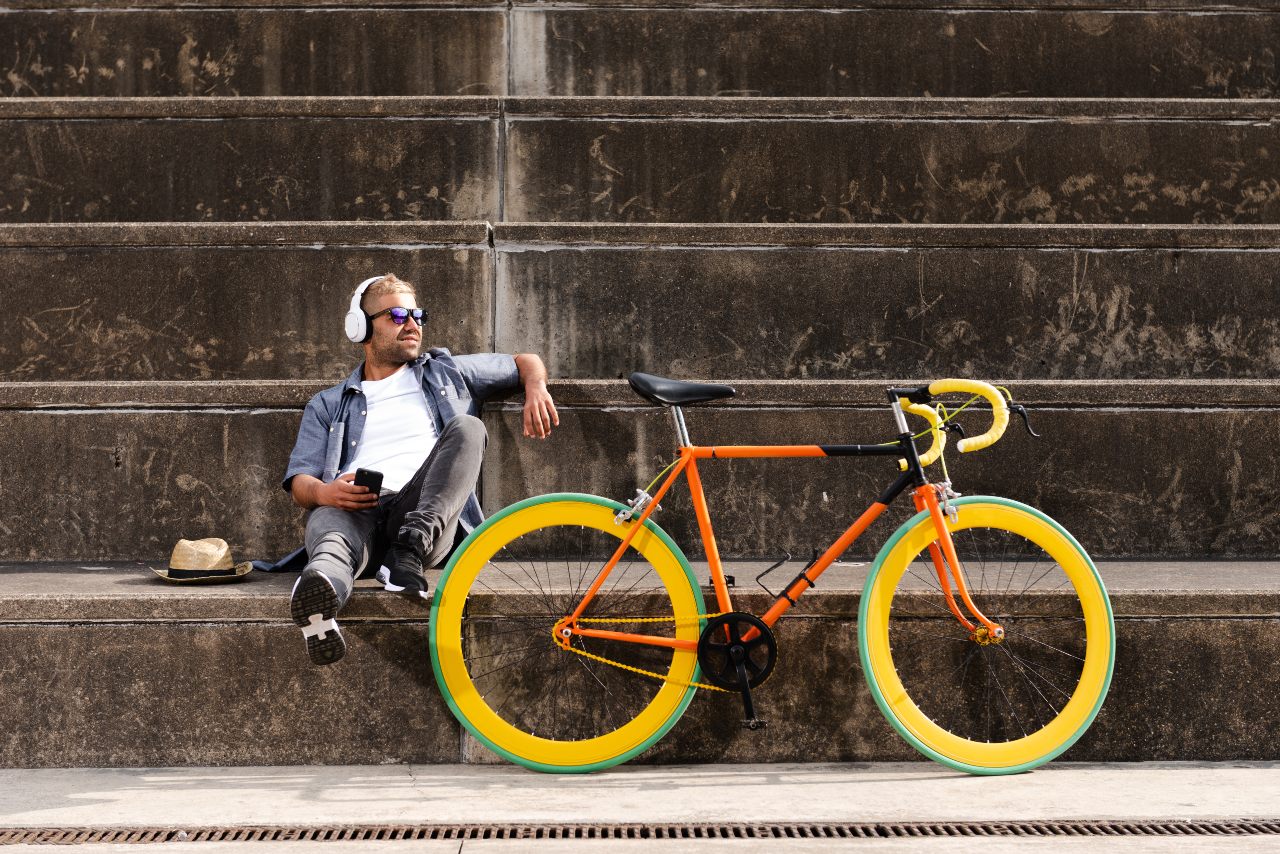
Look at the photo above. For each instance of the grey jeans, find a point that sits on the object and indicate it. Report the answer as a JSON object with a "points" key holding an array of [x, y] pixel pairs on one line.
{"points": [[423, 515]]}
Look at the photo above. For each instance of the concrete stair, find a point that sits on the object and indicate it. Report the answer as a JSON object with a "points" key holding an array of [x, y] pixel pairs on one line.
{"points": [[121, 670], [1072, 198], [1133, 469], [222, 300], [230, 48], [685, 160], [165, 160], [803, 49]]}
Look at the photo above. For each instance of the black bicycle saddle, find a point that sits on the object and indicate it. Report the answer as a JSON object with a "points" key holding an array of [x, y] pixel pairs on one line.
{"points": [[676, 392]]}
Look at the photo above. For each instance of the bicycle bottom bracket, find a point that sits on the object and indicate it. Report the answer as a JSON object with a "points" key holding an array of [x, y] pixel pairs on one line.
{"points": [[734, 646]]}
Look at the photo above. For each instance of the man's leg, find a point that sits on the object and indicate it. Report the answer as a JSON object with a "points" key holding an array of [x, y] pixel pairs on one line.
{"points": [[337, 544], [422, 520]]}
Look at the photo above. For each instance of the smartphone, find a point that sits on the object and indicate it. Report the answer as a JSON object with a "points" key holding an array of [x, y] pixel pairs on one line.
{"points": [[369, 478]]}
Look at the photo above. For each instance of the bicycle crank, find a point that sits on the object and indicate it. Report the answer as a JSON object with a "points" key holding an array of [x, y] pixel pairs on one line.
{"points": [[737, 652]]}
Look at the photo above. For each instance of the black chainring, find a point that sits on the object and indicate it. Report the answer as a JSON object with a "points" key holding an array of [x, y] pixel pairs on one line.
{"points": [[721, 647]]}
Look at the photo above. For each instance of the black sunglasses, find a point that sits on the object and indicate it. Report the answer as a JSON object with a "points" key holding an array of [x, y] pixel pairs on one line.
{"points": [[399, 315]]}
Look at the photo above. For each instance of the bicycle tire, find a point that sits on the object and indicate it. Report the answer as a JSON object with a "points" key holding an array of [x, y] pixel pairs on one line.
{"points": [[499, 666], [995, 708]]}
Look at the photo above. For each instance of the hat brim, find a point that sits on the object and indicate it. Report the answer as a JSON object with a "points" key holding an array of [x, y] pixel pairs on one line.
{"points": [[241, 570]]}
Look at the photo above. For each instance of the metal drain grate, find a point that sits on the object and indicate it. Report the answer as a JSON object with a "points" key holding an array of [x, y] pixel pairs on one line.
{"points": [[863, 830]]}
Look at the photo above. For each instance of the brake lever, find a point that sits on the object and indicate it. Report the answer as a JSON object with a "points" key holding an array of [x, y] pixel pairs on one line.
{"points": [[1022, 410], [954, 427]]}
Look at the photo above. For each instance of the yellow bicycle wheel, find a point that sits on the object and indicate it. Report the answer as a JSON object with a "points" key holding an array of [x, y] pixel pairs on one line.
{"points": [[500, 667], [962, 699]]}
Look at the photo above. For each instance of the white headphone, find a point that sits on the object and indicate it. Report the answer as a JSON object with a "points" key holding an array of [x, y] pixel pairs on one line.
{"points": [[357, 323]]}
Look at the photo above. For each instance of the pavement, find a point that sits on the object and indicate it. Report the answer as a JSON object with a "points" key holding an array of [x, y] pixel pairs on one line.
{"points": [[410, 795]]}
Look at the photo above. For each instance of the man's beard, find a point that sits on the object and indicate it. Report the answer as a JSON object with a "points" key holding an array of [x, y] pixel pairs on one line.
{"points": [[396, 351]]}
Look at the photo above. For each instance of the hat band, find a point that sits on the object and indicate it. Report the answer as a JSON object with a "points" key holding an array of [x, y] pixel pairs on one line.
{"points": [[199, 573]]}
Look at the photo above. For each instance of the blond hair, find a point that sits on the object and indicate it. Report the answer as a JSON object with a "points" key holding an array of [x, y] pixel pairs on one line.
{"points": [[388, 284]]}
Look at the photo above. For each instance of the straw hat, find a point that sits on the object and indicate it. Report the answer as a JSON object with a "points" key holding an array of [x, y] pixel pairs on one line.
{"points": [[205, 561]]}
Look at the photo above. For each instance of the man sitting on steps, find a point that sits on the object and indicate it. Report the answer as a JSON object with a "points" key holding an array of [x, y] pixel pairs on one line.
{"points": [[411, 416]]}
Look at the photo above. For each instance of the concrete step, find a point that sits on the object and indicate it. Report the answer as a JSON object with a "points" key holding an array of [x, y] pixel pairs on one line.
{"points": [[223, 301], [832, 49], [266, 301], [837, 302], [217, 676], [886, 160], [221, 50], [1113, 50], [162, 159], [1155, 469], [933, 160]]}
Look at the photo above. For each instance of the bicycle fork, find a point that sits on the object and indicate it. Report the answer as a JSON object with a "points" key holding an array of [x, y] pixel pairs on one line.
{"points": [[947, 565]]}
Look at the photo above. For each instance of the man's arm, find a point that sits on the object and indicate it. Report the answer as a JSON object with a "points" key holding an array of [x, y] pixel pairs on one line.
{"points": [[307, 461], [311, 492], [539, 410]]}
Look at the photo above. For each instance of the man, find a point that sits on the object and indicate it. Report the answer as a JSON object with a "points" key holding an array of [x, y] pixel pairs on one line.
{"points": [[411, 416]]}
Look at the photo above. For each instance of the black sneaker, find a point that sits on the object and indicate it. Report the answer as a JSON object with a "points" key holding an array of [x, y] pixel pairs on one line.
{"points": [[313, 607], [401, 572]]}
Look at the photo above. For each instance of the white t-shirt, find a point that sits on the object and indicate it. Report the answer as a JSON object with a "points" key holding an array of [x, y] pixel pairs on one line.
{"points": [[399, 431]]}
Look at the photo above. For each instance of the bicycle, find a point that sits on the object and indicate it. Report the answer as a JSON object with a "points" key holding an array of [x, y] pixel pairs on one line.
{"points": [[569, 634]]}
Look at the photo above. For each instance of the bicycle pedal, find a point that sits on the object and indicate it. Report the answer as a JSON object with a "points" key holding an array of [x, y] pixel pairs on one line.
{"points": [[754, 724]]}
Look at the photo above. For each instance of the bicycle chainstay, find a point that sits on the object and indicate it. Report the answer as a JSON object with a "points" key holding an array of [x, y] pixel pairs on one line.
{"points": [[641, 671]]}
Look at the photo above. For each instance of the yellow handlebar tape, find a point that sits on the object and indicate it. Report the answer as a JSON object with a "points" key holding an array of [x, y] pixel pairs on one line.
{"points": [[928, 413], [999, 410]]}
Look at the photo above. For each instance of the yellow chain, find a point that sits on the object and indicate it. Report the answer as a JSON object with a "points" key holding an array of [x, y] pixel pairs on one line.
{"points": [[671, 620], [650, 673]]}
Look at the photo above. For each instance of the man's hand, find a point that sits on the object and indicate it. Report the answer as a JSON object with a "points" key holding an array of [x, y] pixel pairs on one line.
{"points": [[344, 494], [539, 411]]}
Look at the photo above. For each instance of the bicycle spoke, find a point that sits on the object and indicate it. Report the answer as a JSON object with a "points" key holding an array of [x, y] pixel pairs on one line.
{"points": [[988, 692]]}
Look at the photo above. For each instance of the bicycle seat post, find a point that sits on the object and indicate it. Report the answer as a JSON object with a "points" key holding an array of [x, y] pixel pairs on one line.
{"points": [[682, 432]]}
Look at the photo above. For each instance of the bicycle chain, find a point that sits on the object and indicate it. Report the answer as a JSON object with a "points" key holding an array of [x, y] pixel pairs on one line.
{"points": [[650, 673]]}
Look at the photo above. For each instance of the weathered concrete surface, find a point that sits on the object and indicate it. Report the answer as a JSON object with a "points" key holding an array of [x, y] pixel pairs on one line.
{"points": [[339, 4], [1193, 677], [126, 481], [139, 694], [514, 236], [207, 107], [243, 234], [1037, 52], [227, 52], [802, 170], [1126, 482], [220, 312], [109, 591], [737, 301], [1160, 706], [825, 312], [128, 485], [867, 395], [1029, 5], [247, 169], [583, 160], [731, 107]]}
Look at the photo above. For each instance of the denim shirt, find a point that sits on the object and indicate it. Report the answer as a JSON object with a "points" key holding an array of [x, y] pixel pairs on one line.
{"points": [[333, 422]]}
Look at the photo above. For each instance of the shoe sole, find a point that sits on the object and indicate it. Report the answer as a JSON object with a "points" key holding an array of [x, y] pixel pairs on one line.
{"points": [[313, 607]]}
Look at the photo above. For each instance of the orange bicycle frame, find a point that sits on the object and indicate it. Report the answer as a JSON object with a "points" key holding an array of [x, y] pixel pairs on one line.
{"points": [[925, 495]]}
